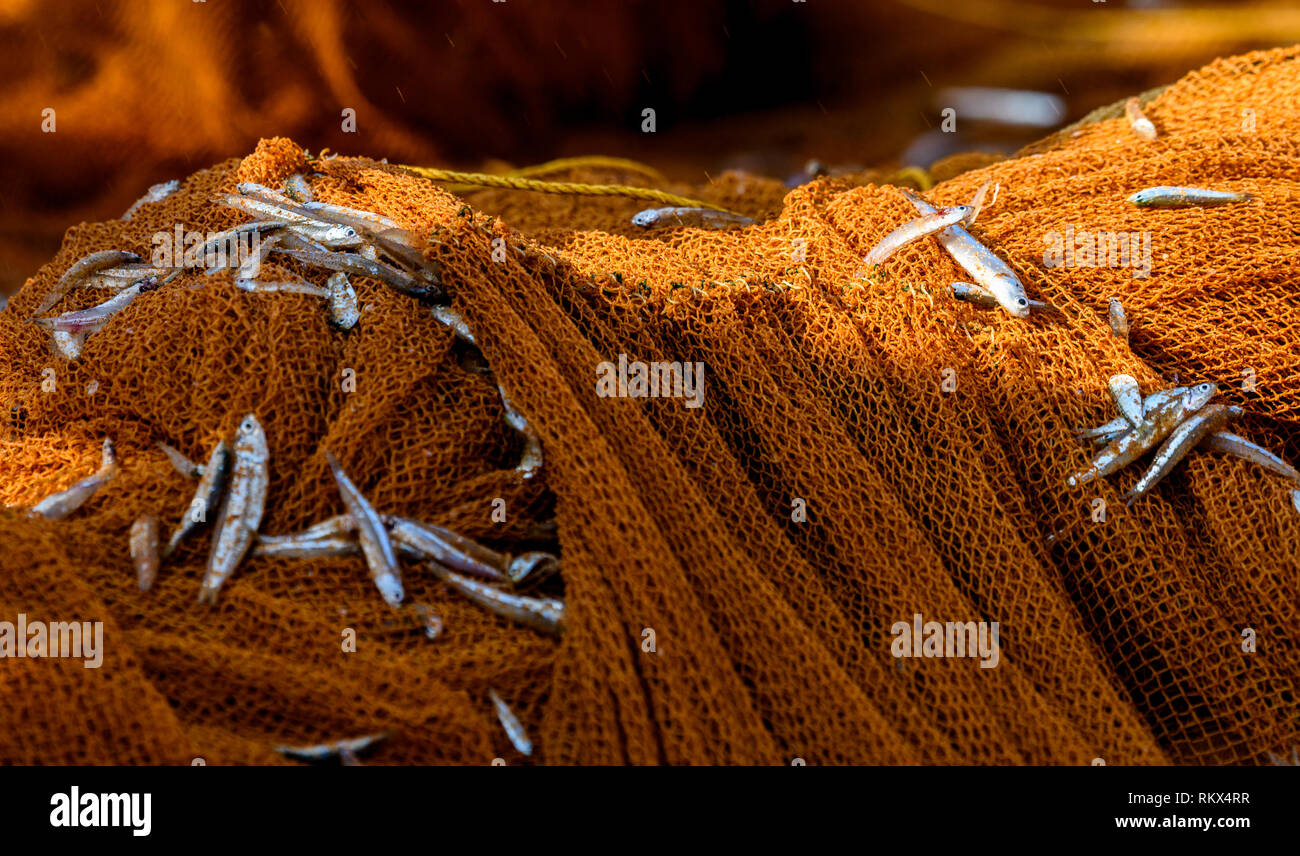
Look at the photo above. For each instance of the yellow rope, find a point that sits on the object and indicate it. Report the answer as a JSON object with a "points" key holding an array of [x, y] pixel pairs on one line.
{"points": [[565, 187], [590, 162], [917, 174]]}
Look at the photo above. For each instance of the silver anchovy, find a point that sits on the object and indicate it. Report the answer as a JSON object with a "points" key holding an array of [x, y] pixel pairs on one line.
{"points": [[915, 230], [125, 276], [1118, 321], [366, 220], [1178, 197], [241, 511], [144, 550], [156, 193], [262, 286], [514, 728], [446, 547], [375, 543], [544, 614], [301, 547], [399, 281], [342, 301], [701, 218], [456, 322], [1232, 444], [988, 271], [345, 750], [1181, 441], [971, 293], [403, 248], [83, 268], [1117, 426], [207, 496], [90, 320], [1138, 121], [59, 505], [530, 461]]}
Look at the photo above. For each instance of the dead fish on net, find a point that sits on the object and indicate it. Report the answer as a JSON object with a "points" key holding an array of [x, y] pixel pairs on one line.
{"points": [[1127, 395], [90, 320], [456, 322], [1157, 424], [354, 217], [83, 268], [1138, 121], [1118, 321], [700, 218], [1112, 429], [342, 301], [989, 272], [514, 728], [156, 193], [1181, 441], [544, 614], [327, 539], [241, 510], [59, 505], [530, 461], [345, 750], [915, 230], [399, 281], [1180, 197], [207, 496], [1232, 444], [375, 543], [446, 547], [262, 286], [144, 550], [125, 276], [971, 293]]}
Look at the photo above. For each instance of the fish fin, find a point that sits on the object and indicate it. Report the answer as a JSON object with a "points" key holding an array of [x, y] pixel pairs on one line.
{"points": [[1128, 398]]}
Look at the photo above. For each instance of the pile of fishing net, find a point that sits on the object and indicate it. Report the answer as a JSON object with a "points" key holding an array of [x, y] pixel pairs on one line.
{"points": [[866, 450]]}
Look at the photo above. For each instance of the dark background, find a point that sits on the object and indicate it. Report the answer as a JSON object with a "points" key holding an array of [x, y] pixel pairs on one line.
{"points": [[148, 90]]}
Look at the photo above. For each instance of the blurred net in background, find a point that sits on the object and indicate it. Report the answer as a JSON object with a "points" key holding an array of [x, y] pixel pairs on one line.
{"points": [[1120, 639]]}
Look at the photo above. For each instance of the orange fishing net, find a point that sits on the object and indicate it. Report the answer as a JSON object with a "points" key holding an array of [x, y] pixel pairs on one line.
{"points": [[1121, 638]]}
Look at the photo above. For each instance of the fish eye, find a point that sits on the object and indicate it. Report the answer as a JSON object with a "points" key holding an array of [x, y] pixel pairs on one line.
{"points": [[1024, 302]]}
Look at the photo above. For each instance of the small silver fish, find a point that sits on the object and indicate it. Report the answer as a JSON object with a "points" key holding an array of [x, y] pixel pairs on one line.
{"points": [[328, 235], [83, 268], [530, 461], [403, 248], [1127, 395], [301, 547], [207, 496], [375, 543], [263, 208], [1182, 440], [156, 193], [125, 276], [1138, 121], [1179, 197], [531, 568], [978, 296], [1118, 321], [1157, 425], [345, 750], [90, 320], [144, 550], [241, 510], [1232, 444], [514, 728], [444, 546], [456, 322], [297, 188], [1120, 425], [544, 614], [343, 310], [356, 265], [180, 463], [700, 218], [915, 230], [262, 286], [365, 220], [989, 272], [59, 505]]}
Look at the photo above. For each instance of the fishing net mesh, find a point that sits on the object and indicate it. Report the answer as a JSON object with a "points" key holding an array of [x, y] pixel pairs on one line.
{"points": [[926, 440]]}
